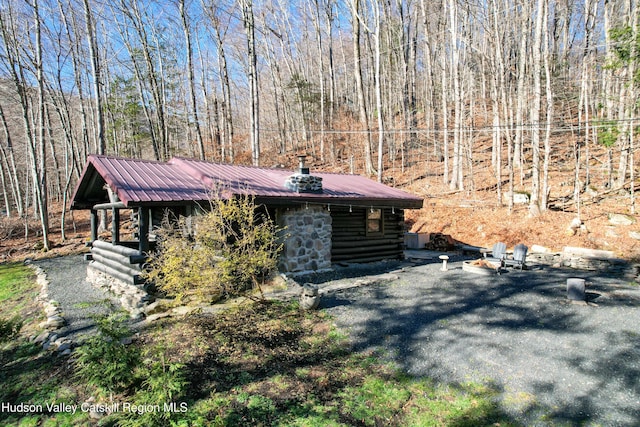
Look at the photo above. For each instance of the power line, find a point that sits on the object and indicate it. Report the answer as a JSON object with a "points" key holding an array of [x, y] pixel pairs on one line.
{"points": [[556, 128]]}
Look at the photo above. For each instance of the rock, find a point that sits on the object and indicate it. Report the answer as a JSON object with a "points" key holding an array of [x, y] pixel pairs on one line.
{"points": [[634, 235], [621, 219], [51, 311], [155, 307], [569, 252], [518, 198], [537, 249], [54, 322], [130, 302], [574, 226], [42, 338], [136, 314], [64, 347], [157, 316], [66, 352], [309, 298], [183, 310], [610, 231]]}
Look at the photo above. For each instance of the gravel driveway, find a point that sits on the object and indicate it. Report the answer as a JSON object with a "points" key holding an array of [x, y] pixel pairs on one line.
{"points": [[79, 300], [553, 362]]}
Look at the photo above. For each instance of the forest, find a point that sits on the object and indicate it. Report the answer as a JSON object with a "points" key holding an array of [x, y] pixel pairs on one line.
{"points": [[363, 86]]}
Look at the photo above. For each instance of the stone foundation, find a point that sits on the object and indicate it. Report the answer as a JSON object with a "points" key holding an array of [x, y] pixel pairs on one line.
{"points": [[132, 298], [307, 246]]}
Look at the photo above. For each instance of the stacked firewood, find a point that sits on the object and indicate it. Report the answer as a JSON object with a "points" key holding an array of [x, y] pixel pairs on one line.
{"points": [[439, 242]]}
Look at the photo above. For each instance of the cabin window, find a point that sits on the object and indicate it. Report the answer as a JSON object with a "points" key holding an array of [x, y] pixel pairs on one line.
{"points": [[374, 221]]}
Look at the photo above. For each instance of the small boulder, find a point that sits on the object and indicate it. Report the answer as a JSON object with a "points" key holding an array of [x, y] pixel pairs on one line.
{"points": [[309, 297], [54, 322], [621, 219], [153, 308], [183, 310], [576, 224], [42, 338], [537, 249], [63, 347]]}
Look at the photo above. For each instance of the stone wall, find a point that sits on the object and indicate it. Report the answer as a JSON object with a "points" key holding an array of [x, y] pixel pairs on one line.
{"points": [[307, 245], [133, 298], [586, 259]]}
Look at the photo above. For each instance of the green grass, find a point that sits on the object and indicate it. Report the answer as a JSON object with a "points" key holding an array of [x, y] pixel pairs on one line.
{"points": [[257, 364], [17, 282]]}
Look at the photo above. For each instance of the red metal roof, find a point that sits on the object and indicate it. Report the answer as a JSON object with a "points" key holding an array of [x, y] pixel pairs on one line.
{"points": [[142, 182]]}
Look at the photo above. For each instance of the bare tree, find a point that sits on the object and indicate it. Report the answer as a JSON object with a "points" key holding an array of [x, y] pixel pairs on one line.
{"points": [[357, 69], [184, 19], [9, 162], [455, 70], [96, 71], [378, 83], [246, 7], [534, 204]]}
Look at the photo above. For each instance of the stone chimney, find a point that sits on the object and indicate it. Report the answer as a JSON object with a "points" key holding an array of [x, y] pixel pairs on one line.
{"points": [[302, 181]]}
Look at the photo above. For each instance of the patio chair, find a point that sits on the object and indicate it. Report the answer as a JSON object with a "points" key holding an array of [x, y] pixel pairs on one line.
{"points": [[519, 257], [498, 253]]}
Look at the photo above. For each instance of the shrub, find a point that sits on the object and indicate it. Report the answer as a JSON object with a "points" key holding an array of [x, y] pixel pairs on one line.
{"points": [[164, 384], [104, 361], [235, 245]]}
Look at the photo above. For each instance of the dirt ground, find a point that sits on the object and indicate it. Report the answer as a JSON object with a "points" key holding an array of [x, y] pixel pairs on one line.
{"points": [[484, 226]]}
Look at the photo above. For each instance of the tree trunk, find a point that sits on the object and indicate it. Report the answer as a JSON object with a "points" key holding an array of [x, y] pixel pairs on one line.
{"points": [[525, 14], [252, 72], [378, 83], [357, 69], [534, 205], [11, 168], [96, 71], [191, 77]]}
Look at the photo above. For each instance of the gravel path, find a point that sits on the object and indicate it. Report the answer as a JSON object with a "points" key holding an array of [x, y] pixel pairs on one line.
{"points": [[80, 301], [553, 362]]}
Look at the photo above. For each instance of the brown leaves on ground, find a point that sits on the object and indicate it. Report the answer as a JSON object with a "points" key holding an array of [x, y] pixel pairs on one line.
{"points": [[269, 348], [476, 223]]}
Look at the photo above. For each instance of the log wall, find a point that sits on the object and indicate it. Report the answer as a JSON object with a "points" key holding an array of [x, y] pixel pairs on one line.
{"points": [[350, 241], [118, 261]]}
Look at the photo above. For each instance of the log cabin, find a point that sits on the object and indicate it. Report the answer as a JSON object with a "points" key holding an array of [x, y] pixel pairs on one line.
{"points": [[329, 217]]}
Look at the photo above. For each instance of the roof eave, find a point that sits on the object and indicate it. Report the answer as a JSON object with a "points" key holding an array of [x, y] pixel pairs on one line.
{"points": [[351, 201]]}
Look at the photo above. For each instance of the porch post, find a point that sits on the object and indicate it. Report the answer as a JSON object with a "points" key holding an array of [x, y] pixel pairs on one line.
{"points": [[115, 226], [94, 225], [143, 230]]}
